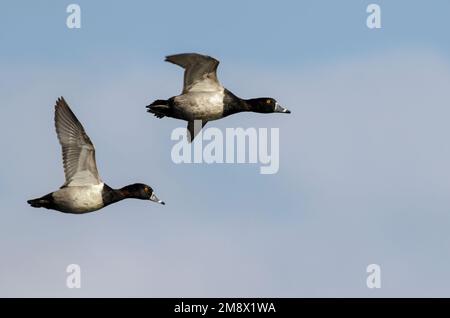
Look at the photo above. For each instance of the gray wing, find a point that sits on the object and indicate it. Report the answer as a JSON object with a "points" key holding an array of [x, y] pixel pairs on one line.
{"points": [[200, 71], [77, 149]]}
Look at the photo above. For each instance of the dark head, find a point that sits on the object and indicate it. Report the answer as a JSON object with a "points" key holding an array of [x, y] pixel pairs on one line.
{"points": [[266, 105], [140, 191]]}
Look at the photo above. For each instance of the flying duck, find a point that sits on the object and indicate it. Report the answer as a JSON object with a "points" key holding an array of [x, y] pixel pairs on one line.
{"points": [[204, 98], [83, 190]]}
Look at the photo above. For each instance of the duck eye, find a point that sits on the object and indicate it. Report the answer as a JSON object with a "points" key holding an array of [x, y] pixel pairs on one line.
{"points": [[268, 101]]}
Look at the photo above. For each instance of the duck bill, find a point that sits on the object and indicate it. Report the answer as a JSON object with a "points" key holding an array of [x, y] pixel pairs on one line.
{"points": [[281, 109], [154, 198]]}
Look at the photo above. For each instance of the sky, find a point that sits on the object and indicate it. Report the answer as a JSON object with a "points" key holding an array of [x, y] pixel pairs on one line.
{"points": [[364, 172]]}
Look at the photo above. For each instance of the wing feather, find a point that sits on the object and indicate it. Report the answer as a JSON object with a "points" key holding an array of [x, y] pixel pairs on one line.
{"points": [[200, 71], [78, 151]]}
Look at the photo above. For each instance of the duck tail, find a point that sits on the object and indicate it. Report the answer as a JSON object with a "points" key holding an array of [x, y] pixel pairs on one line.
{"points": [[43, 202], [160, 108]]}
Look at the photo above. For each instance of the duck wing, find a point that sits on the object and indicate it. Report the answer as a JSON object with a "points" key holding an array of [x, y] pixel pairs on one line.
{"points": [[78, 151], [200, 72], [194, 129]]}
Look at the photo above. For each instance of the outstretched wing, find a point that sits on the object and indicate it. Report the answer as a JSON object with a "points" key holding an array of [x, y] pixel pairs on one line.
{"points": [[200, 72], [77, 149]]}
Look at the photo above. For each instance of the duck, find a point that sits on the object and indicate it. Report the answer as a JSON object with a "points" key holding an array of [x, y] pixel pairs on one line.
{"points": [[203, 98], [83, 190]]}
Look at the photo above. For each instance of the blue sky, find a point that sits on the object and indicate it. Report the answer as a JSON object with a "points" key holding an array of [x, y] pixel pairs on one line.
{"points": [[291, 33], [364, 155]]}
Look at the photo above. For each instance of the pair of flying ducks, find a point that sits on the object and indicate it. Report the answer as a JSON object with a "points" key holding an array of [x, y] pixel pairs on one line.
{"points": [[203, 98]]}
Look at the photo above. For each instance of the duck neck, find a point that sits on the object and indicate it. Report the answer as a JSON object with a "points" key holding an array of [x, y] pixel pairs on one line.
{"points": [[111, 195], [256, 105], [128, 191], [234, 104]]}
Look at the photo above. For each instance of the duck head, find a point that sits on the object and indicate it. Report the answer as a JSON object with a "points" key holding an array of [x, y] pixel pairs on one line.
{"points": [[140, 191], [266, 105]]}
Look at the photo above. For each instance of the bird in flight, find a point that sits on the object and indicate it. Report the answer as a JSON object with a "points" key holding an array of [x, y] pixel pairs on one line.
{"points": [[83, 190], [203, 97]]}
